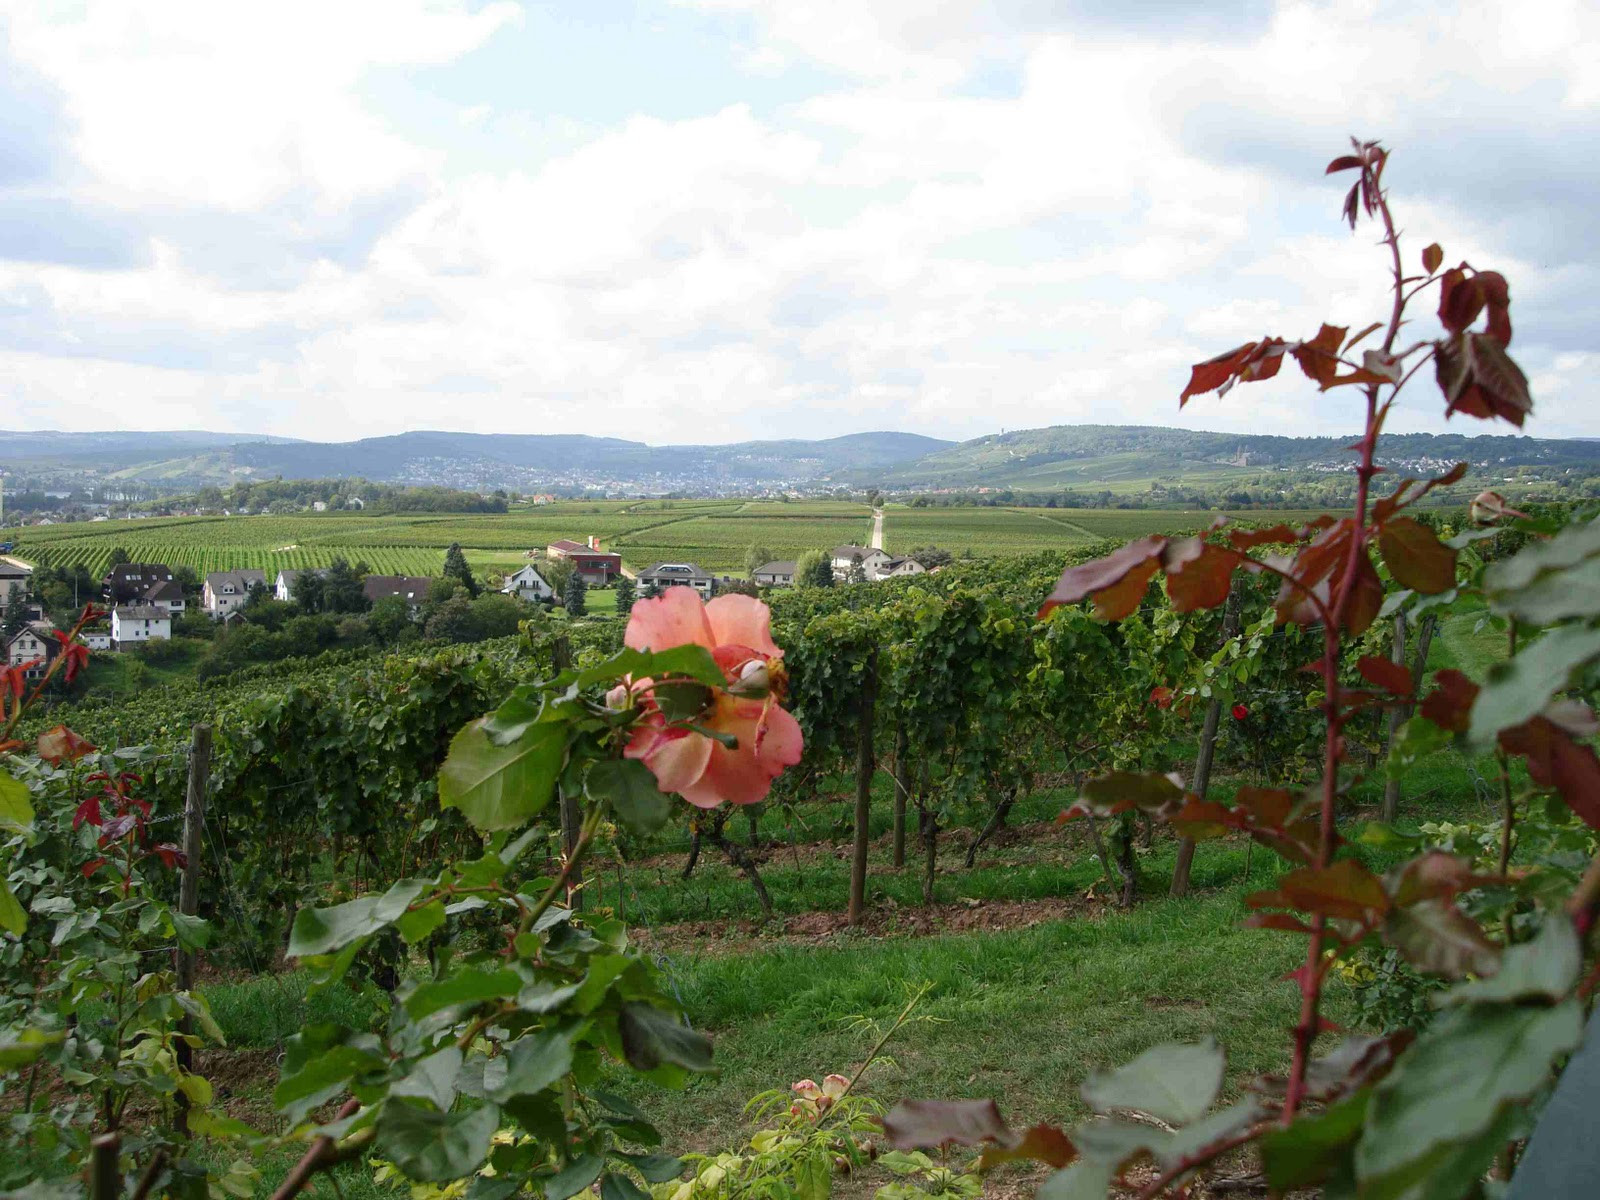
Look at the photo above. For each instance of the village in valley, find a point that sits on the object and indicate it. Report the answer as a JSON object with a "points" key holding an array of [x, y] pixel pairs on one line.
{"points": [[147, 603]]}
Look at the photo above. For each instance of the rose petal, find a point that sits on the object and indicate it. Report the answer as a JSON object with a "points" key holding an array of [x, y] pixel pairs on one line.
{"points": [[677, 617], [742, 775], [742, 621], [678, 762]]}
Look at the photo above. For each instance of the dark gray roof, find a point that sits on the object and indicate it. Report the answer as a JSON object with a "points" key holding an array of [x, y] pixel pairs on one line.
{"points": [[847, 551], [413, 588], [781, 567], [140, 612], [168, 590], [675, 570]]}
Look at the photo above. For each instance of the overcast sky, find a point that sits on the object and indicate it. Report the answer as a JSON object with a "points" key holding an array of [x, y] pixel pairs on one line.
{"points": [[710, 220]]}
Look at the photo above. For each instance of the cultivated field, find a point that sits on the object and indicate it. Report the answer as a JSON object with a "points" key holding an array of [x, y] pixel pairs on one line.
{"points": [[714, 534]]}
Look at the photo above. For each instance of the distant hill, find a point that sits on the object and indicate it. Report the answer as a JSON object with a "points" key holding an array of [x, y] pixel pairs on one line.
{"points": [[471, 460], [1089, 455], [1120, 457]]}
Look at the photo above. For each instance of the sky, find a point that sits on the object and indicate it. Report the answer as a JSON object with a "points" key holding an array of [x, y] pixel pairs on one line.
{"points": [[713, 220]]}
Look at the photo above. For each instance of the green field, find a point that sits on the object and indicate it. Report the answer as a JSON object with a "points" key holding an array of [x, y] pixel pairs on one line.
{"points": [[713, 533], [995, 531]]}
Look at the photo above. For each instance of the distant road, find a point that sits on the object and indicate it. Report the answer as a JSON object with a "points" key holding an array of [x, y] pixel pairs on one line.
{"points": [[877, 530]]}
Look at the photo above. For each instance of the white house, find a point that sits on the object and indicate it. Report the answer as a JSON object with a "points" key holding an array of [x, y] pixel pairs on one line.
{"points": [[845, 557], [679, 574], [16, 580], [96, 640], [528, 584], [227, 591], [284, 585], [132, 624], [34, 643], [775, 574], [319, 506], [900, 566]]}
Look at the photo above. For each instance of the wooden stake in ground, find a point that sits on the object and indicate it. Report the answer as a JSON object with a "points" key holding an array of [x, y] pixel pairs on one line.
{"points": [[1202, 762], [194, 818], [902, 789], [866, 765]]}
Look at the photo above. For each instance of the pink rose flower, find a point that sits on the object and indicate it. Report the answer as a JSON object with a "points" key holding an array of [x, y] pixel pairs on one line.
{"points": [[766, 739]]}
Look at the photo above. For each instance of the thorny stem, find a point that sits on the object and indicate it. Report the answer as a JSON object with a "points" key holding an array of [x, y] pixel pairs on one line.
{"points": [[319, 1156], [1311, 974], [580, 848], [1198, 1159]]}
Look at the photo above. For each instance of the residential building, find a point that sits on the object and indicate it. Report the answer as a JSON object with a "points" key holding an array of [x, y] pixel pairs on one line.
{"points": [[595, 566], [226, 591], [96, 639], [775, 574], [319, 506], [35, 644], [16, 580], [677, 574], [168, 597], [900, 566], [283, 586], [413, 588], [133, 624], [844, 557], [128, 582], [528, 584]]}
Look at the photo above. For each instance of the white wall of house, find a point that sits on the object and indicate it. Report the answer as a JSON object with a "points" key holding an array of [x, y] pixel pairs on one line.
{"points": [[26, 647], [528, 584], [128, 630]]}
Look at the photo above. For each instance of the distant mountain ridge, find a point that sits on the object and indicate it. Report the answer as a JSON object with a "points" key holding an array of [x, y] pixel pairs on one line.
{"points": [[1061, 456]]}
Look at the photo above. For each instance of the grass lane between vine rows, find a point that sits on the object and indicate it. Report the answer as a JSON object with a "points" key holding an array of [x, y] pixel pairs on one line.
{"points": [[1021, 1010]]}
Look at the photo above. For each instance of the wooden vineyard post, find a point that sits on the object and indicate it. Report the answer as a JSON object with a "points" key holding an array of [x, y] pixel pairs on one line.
{"points": [[1397, 717], [865, 767], [902, 788], [1202, 762], [194, 818], [561, 659]]}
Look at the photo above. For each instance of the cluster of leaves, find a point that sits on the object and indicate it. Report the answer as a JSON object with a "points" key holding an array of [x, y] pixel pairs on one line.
{"points": [[1401, 1114], [94, 1026]]}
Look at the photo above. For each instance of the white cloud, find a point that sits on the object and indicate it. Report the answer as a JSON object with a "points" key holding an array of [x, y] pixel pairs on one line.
{"points": [[901, 247]]}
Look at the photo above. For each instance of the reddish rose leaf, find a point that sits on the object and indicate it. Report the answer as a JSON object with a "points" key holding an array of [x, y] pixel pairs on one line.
{"points": [[1479, 378], [1385, 674], [1362, 336], [1267, 807], [87, 813], [1432, 256], [1319, 358], [1090, 578], [1201, 579], [925, 1124], [1122, 598], [1449, 705], [60, 745], [90, 867], [1214, 372], [1438, 938], [1346, 889], [1042, 1143], [1202, 820], [1345, 162], [1121, 791], [1555, 760], [1416, 557], [1275, 535], [1434, 875], [1366, 596], [1360, 375], [1161, 697]]}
